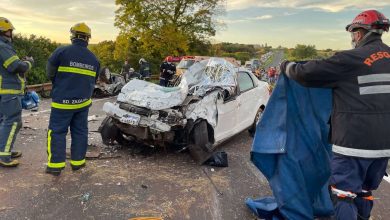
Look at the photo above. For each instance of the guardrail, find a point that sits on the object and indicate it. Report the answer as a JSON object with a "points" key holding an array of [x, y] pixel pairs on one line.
{"points": [[40, 88], [47, 87]]}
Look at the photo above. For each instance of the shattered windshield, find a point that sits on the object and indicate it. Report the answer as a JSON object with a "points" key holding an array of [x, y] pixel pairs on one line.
{"points": [[209, 74]]}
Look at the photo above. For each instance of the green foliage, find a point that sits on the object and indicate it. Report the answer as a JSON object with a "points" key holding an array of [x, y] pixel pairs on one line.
{"points": [[242, 52], [160, 28], [303, 52], [105, 52], [38, 47]]}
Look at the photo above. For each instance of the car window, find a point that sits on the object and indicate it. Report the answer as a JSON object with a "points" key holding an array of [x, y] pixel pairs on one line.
{"points": [[185, 64], [245, 82]]}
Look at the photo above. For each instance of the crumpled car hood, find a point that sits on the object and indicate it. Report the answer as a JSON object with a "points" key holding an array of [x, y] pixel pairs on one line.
{"points": [[198, 80], [151, 96]]}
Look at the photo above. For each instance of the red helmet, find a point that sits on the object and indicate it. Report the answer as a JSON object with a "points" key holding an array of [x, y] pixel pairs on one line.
{"points": [[371, 20]]}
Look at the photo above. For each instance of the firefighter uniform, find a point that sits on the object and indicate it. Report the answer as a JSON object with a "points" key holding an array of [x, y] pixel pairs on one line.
{"points": [[167, 70], [73, 70], [144, 68], [360, 79], [12, 87]]}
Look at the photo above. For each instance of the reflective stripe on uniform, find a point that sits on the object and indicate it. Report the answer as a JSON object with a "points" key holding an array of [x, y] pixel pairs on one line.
{"points": [[10, 137], [77, 162], [71, 106], [374, 89], [11, 91], [372, 78], [49, 163], [342, 194], [77, 71], [5, 153], [358, 152], [29, 64], [10, 60]]}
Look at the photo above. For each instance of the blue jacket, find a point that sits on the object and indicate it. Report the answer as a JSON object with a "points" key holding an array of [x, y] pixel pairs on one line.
{"points": [[73, 70], [11, 69], [291, 149], [144, 69]]}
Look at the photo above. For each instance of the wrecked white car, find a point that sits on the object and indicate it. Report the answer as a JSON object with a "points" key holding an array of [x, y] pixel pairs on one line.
{"points": [[213, 102]]}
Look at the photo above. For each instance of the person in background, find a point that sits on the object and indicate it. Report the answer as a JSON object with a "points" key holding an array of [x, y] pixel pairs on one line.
{"points": [[167, 70], [125, 71], [144, 69]]}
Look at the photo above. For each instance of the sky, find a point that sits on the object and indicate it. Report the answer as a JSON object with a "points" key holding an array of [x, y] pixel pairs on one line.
{"points": [[273, 22]]}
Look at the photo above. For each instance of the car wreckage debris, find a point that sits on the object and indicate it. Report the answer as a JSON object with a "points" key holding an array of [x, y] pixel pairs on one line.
{"points": [[218, 159]]}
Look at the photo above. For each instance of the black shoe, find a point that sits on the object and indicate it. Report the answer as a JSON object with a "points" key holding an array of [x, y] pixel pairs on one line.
{"points": [[8, 162], [54, 171], [16, 154], [74, 168]]}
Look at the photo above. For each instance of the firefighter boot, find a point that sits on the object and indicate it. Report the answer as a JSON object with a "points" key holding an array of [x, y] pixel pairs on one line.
{"points": [[16, 154], [54, 171], [75, 168], [8, 162]]}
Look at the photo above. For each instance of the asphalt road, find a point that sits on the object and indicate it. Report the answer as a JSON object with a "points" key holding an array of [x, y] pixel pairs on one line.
{"points": [[129, 183]]}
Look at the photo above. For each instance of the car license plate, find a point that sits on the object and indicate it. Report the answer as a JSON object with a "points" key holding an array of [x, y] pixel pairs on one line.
{"points": [[131, 119]]}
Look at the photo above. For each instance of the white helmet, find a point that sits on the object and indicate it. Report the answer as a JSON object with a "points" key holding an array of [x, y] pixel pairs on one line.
{"points": [[142, 60]]}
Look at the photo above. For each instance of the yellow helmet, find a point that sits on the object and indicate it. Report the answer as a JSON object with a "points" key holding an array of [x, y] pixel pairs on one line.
{"points": [[80, 29], [5, 24]]}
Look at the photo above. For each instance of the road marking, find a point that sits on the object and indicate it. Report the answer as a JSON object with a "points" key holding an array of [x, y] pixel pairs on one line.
{"points": [[387, 178], [48, 110]]}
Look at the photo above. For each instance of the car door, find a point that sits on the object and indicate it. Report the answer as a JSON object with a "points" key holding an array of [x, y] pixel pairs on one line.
{"points": [[247, 106], [227, 117]]}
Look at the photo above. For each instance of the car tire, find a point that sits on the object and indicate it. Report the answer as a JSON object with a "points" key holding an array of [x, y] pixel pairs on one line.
{"points": [[98, 93], [200, 147], [110, 132], [252, 129]]}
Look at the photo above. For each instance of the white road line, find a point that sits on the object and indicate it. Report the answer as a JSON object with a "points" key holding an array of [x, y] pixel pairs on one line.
{"points": [[48, 110], [387, 178]]}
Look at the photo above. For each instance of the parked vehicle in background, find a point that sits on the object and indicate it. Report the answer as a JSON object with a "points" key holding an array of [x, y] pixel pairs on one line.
{"points": [[108, 84], [213, 102]]}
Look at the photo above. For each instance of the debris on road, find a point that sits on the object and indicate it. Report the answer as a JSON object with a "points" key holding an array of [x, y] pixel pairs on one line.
{"points": [[93, 118], [85, 197], [219, 159], [212, 183]]}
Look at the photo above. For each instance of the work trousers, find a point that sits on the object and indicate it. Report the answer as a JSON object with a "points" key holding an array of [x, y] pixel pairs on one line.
{"points": [[164, 82], [10, 123], [60, 121], [356, 175]]}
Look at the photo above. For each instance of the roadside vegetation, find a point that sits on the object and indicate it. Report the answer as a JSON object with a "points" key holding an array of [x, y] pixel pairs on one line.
{"points": [[156, 29]]}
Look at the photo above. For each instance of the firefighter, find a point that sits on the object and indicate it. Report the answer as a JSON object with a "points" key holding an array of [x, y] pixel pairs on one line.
{"points": [[360, 79], [125, 71], [144, 69], [73, 70], [167, 70], [12, 87]]}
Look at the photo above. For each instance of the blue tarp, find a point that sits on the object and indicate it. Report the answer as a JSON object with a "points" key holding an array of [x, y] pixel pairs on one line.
{"points": [[291, 149]]}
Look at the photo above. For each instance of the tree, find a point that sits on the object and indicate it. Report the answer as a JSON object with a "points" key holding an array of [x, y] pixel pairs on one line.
{"points": [[105, 52], [167, 27], [38, 47], [301, 52]]}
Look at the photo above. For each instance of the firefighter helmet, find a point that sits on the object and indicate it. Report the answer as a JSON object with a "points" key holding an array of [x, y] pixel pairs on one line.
{"points": [[371, 20], [142, 60], [80, 30], [5, 25]]}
